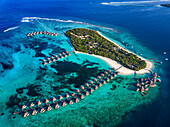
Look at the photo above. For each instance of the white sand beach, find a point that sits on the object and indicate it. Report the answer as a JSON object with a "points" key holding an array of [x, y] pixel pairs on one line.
{"points": [[123, 70]]}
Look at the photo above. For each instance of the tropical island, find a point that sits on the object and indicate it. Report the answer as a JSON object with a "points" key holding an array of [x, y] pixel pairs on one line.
{"points": [[92, 42]]}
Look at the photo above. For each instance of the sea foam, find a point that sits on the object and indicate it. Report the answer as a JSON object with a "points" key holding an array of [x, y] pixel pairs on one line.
{"points": [[137, 3], [30, 19], [11, 28]]}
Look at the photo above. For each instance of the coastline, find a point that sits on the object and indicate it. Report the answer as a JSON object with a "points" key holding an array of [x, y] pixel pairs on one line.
{"points": [[123, 70]]}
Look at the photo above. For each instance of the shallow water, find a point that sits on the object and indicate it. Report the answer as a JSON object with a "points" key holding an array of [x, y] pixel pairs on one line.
{"points": [[115, 103]]}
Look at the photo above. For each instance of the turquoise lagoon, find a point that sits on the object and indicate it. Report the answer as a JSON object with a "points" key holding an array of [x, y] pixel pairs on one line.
{"points": [[29, 81]]}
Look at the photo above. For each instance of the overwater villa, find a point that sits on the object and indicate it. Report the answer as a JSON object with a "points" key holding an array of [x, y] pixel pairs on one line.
{"points": [[86, 84], [26, 114], [86, 93], [46, 101], [100, 84], [63, 104], [42, 110], [72, 94], [31, 105], [49, 108], [23, 107], [82, 87], [39, 103], [56, 106], [60, 97], [76, 100], [96, 87], [70, 102], [77, 90], [53, 99], [91, 90], [34, 112], [81, 96], [67, 95]]}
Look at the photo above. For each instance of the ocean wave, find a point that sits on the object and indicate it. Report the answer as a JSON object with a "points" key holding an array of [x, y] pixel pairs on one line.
{"points": [[30, 19], [137, 3], [11, 28]]}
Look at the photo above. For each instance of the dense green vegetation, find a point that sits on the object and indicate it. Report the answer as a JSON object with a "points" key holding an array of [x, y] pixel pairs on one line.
{"points": [[89, 41]]}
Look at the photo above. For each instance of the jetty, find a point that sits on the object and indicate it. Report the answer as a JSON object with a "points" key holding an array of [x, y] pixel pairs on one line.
{"points": [[67, 98]]}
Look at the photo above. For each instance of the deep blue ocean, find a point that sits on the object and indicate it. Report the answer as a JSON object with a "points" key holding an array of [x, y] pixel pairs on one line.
{"points": [[147, 22]]}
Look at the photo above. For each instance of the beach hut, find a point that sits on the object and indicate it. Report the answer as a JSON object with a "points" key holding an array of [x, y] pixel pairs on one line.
{"points": [[91, 90], [67, 95], [49, 108], [26, 114], [56, 106], [82, 87], [77, 90], [102, 75], [46, 101], [86, 93], [42, 110], [53, 99], [39, 103], [70, 102], [87, 85], [63, 104], [76, 100], [60, 97], [98, 77], [34, 112], [31, 105], [23, 107], [95, 87], [81, 96], [95, 79], [99, 84], [73, 94]]}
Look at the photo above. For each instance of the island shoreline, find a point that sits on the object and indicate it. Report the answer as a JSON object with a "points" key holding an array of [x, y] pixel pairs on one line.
{"points": [[114, 64]]}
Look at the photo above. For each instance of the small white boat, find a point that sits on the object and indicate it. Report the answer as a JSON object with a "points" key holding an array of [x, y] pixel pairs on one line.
{"points": [[166, 58], [164, 52]]}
